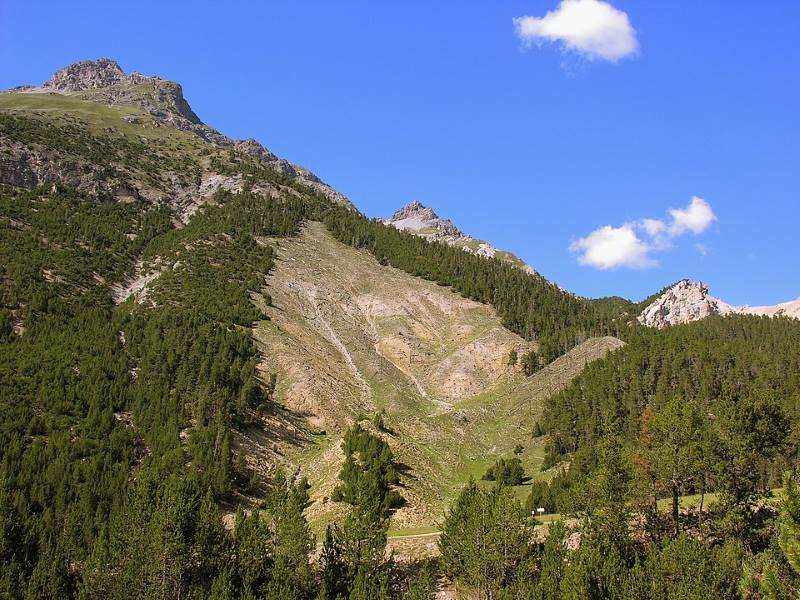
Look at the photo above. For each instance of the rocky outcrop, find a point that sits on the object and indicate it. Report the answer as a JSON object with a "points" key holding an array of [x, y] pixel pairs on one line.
{"points": [[689, 301], [256, 150], [421, 220], [685, 302], [103, 81], [31, 165], [283, 166], [85, 75]]}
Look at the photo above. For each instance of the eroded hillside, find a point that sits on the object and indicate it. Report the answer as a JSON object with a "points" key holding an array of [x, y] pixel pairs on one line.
{"points": [[349, 337]]}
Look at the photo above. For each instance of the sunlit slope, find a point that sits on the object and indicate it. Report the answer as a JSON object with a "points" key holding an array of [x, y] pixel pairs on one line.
{"points": [[350, 337]]}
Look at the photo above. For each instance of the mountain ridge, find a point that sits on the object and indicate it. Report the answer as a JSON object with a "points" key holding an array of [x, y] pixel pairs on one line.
{"points": [[103, 81], [421, 220]]}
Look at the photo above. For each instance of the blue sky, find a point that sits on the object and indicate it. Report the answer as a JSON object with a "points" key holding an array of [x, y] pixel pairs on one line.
{"points": [[535, 136]]}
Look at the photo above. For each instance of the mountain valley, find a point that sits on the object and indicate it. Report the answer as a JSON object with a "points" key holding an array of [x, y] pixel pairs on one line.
{"points": [[219, 379]]}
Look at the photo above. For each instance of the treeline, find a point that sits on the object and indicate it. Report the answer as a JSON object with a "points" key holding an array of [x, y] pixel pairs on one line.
{"points": [[528, 305], [111, 156]]}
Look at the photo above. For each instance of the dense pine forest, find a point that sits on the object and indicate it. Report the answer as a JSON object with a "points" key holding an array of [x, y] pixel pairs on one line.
{"points": [[117, 417]]}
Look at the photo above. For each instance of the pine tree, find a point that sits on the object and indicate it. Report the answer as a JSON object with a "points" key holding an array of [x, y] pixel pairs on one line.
{"points": [[674, 443], [789, 523], [293, 541], [422, 585], [485, 538]]}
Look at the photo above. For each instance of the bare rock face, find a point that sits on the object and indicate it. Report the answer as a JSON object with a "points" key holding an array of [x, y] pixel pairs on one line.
{"points": [[690, 301], [85, 75], [421, 220], [685, 302]]}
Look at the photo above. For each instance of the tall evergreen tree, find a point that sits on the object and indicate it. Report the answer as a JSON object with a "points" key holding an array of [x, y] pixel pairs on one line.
{"points": [[485, 539], [674, 444]]}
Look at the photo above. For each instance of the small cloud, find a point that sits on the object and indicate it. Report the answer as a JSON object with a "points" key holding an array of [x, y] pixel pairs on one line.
{"points": [[610, 247], [654, 227], [697, 217], [591, 28]]}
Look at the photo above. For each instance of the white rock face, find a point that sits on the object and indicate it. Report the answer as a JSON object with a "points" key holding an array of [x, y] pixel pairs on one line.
{"points": [[683, 303], [421, 220], [690, 301]]}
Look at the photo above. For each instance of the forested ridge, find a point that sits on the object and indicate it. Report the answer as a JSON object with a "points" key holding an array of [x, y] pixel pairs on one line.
{"points": [[716, 360]]}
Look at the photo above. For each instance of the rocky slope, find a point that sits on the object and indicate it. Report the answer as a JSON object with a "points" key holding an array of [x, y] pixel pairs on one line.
{"points": [[690, 301], [149, 102], [423, 221], [348, 336]]}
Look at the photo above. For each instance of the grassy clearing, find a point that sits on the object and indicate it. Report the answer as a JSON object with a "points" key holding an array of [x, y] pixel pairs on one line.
{"points": [[413, 532], [101, 119]]}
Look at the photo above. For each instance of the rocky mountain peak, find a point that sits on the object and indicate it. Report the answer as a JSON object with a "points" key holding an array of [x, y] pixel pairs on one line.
{"points": [[86, 75], [414, 209], [689, 301], [418, 218], [421, 220], [104, 81], [684, 302]]}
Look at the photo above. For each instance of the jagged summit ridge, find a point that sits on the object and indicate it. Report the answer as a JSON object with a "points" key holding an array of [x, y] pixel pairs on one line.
{"points": [[415, 208], [421, 220], [104, 81], [689, 301]]}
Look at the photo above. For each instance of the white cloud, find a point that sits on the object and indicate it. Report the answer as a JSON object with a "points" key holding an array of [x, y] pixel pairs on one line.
{"points": [[653, 227], [611, 247], [697, 217], [592, 28]]}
